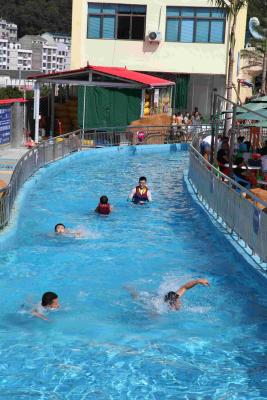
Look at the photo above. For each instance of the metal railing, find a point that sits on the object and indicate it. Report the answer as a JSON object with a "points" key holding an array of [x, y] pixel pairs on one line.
{"points": [[244, 214], [135, 135], [39, 156]]}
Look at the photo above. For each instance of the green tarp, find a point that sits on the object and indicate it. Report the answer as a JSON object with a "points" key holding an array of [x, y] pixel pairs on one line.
{"points": [[108, 107], [181, 92]]}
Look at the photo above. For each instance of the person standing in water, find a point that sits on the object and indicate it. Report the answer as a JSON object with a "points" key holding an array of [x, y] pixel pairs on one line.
{"points": [[140, 194]]}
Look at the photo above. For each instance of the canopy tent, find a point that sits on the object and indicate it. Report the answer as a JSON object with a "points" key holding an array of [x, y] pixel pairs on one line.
{"points": [[261, 124], [96, 77], [262, 99], [251, 107], [261, 115]]}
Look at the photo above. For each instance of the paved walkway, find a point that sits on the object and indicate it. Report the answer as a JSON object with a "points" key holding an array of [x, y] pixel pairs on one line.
{"points": [[8, 160]]}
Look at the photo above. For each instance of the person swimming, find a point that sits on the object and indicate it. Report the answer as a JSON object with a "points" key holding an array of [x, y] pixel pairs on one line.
{"points": [[103, 207], [140, 194], [60, 229], [49, 302], [173, 298]]}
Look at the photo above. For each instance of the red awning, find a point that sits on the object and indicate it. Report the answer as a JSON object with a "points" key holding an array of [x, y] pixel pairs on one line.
{"points": [[125, 73], [117, 72], [11, 101]]}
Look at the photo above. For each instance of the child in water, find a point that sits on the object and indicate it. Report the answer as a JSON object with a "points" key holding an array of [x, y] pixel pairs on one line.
{"points": [[60, 229], [49, 302], [103, 207]]}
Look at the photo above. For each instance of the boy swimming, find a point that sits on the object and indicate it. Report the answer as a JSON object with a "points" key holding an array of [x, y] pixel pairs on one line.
{"points": [[49, 302], [173, 298], [103, 207], [60, 229]]}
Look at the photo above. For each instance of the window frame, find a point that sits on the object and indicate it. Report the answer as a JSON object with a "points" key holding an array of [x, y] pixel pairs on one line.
{"points": [[116, 16], [196, 18]]}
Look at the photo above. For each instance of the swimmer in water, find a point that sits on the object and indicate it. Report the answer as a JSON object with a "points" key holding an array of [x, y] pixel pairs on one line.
{"points": [[173, 298], [60, 229], [49, 302], [103, 207], [140, 194]]}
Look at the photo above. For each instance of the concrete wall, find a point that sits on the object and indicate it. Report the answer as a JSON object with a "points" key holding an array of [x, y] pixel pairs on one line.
{"points": [[200, 92]]}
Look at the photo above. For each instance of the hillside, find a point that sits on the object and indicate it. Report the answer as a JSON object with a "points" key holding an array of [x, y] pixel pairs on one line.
{"points": [[38, 16]]}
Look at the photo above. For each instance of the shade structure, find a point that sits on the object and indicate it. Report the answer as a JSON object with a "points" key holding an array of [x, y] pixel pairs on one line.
{"points": [[260, 116], [262, 99], [251, 107], [261, 124]]}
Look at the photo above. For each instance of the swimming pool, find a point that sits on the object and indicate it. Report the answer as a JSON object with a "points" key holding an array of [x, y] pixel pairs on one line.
{"points": [[102, 344]]}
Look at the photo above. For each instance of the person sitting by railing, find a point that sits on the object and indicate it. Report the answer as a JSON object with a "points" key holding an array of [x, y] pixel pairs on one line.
{"points": [[30, 143], [263, 153], [244, 174], [223, 157]]}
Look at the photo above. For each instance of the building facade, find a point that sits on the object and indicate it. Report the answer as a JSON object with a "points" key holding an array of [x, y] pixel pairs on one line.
{"points": [[186, 41], [12, 55], [48, 54]]}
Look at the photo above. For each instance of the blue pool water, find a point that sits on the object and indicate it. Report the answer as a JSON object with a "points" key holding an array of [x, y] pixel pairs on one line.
{"points": [[102, 343]]}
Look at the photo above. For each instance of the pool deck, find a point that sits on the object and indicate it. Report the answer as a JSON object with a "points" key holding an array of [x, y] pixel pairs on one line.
{"points": [[8, 160]]}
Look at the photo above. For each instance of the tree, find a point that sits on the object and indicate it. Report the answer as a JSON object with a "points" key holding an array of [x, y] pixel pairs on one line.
{"points": [[38, 16], [257, 55], [232, 8]]}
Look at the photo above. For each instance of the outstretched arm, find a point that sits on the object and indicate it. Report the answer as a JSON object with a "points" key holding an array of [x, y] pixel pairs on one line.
{"points": [[131, 195], [35, 313], [181, 291]]}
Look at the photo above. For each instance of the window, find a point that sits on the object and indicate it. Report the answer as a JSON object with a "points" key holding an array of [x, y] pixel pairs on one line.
{"points": [[195, 25], [116, 21]]}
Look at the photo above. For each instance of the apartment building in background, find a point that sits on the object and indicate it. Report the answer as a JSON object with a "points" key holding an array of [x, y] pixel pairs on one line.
{"points": [[184, 41], [8, 31], [63, 44], [46, 53], [49, 55]]}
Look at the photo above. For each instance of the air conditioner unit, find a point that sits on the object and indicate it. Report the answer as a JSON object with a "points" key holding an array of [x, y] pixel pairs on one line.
{"points": [[154, 36]]}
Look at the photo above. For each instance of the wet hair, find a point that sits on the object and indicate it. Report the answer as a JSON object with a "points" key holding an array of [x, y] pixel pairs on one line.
{"points": [[239, 160], [142, 178], [57, 225], [171, 298], [104, 200], [48, 298]]}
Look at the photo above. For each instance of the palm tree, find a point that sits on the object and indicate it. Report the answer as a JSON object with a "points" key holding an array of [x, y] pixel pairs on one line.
{"points": [[232, 8], [257, 54]]}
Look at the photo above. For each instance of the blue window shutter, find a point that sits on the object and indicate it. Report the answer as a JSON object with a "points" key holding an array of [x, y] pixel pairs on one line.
{"points": [[94, 8], [94, 27], [108, 27], [172, 30], [217, 32], [187, 31], [202, 32]]}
